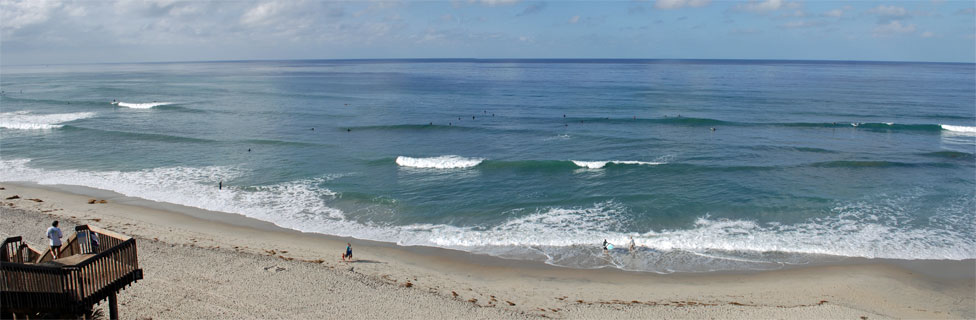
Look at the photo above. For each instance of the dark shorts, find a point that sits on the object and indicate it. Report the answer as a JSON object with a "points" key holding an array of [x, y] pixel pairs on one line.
{"points": [[56, 247]]}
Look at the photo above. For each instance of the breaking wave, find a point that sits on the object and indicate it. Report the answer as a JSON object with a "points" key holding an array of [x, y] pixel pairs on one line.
{"points": [[25, 120], [144, 105], [441, 162]]}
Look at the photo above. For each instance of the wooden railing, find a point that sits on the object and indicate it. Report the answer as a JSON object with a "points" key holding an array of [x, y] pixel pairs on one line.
{"points": [[105, 270], [26, 287], [113, 265], [15, 250]]}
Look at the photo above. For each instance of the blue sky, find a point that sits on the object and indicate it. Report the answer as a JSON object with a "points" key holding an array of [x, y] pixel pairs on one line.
{"points": [[48, 32]]}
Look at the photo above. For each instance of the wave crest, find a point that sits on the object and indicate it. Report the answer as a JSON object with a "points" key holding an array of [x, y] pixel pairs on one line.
{"points": [[25, 120], [601, 164], [441, 162], [963, 129], [145, 105]]}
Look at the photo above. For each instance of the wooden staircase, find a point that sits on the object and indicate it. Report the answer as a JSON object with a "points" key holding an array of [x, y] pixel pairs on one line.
{"points": [[35, 284]]}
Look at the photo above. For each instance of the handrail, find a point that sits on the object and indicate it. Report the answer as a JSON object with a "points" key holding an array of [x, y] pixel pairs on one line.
{"points": [[14, 249], [5, 250]]}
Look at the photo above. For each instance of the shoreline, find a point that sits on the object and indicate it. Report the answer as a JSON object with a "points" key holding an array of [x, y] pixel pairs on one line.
{"points": [[949, 269], [852, 287]]}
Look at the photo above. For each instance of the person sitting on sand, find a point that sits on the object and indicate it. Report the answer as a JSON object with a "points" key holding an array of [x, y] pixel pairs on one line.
{"points": [[348, 254], [54, 233]]}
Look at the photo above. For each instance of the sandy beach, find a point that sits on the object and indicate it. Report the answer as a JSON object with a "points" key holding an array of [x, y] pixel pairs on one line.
{"points": [[200, 264]]}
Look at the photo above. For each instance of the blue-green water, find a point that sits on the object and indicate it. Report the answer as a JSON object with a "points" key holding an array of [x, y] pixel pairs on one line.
{"points": [[530, 159]]}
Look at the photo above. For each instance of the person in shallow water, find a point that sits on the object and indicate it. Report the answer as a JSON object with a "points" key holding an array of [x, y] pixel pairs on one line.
{"points": [[633, 246], [606, 245]]}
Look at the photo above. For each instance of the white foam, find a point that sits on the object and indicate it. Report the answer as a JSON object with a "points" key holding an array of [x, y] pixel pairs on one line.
{"points": [[441, 162], [291, 204], [963, 129], [568, 236], [145, 105], [601, 164], [25, 120]]}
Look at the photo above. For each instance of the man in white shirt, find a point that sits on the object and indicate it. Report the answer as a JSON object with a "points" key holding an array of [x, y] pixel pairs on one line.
{"points": [[54, 233]]}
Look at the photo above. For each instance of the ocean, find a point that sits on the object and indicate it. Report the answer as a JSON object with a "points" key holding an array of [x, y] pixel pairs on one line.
{"points": [[710, 165]]}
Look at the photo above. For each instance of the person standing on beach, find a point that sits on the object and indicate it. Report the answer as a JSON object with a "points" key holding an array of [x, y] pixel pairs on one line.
{"points": [[348, 254], [54, 233], [220, 185]]}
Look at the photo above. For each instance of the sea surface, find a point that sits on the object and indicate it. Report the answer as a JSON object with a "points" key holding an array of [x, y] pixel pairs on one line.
{"points": [[708, 165]]}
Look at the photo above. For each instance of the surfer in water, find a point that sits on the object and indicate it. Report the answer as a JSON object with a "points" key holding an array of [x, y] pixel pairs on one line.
{"points": [[606, 247]]}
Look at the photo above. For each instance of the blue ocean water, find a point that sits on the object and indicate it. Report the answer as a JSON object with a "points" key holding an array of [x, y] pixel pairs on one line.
{"points": [[708, 165]]}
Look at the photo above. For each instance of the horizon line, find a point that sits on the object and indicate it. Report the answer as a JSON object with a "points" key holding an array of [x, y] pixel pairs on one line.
{"points": [[495, 60]]}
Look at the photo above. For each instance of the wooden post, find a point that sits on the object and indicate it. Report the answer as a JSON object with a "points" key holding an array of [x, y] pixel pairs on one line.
{"points": [[113, 307]]}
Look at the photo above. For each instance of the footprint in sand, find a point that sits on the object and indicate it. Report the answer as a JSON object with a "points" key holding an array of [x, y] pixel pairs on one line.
{"points": [[274, 269]]}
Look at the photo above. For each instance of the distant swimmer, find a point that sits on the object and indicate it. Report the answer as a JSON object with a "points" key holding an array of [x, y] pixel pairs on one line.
{"points": [[564, 116], [431, 123], [565, 125], [450, 123], [635, 117], [459, 118], [248, 149], [713, 129], [472, 117], [348, 130], [492, 114], [486, 111], [313, 129]]}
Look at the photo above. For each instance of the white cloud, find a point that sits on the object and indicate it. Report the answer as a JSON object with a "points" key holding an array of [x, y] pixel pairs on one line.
{"points": [[574, 19], [928, 34], [766, 6], [891, 11], [677, 4], [492, 3], [836, 13], [893, 28], [16, 14], [802, 24], [263, 13]]}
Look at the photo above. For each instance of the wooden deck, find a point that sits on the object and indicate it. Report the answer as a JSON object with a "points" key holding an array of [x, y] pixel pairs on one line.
{"points": [[69, 286]]}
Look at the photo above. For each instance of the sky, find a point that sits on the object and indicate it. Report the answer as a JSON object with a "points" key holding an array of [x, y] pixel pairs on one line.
{"points": [[58, 32]]}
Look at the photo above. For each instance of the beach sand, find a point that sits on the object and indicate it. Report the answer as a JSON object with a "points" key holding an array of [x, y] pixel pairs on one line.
{"points": [[200, 264]]}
